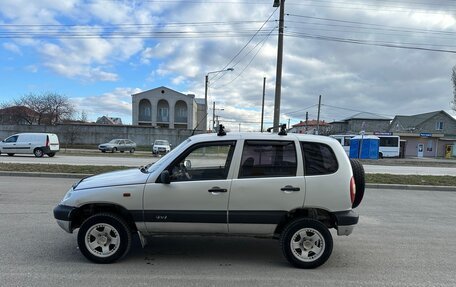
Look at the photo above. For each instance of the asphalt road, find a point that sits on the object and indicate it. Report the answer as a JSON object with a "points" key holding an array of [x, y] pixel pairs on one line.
{"points": [[404, 238], [140, 160]]}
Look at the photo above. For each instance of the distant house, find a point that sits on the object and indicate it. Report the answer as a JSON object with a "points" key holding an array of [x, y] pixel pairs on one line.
{"points": [[367, 122], [105, 120], [310, 127], [18, 115], [165, 108], [425, 135]]}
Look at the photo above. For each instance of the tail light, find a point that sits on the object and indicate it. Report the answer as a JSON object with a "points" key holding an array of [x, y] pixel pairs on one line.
{"points": [[47, 141], [352, 189]]}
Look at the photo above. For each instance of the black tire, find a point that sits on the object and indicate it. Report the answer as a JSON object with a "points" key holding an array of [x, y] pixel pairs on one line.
{"points": [[103, 151], [52, 154], [311, 251], [132, 150], [359, 176], [122, 151], [380, 155], [114, 150], [117, 231], [38, 152], [10, 154]]}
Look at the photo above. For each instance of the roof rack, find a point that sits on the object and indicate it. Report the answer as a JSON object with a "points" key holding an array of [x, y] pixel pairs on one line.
{"points": [[221, 131], [282, 131]]}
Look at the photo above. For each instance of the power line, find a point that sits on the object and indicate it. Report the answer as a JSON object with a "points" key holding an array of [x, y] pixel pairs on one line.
{"points": [[367, 42], [246, 44]]}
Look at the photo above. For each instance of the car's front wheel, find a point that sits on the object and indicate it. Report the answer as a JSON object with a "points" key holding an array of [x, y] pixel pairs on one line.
{"points": [[104, 238], [306, 243]]}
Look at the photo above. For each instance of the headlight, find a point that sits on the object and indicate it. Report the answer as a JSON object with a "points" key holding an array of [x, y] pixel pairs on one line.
{"points": [[67, 195]]}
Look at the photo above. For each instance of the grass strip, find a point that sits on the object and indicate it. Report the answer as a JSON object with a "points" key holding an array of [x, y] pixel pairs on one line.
{"points": [[93, 169]]}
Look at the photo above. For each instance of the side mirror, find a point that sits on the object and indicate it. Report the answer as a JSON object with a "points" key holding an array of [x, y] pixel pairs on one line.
{"points": [[165, 177]]}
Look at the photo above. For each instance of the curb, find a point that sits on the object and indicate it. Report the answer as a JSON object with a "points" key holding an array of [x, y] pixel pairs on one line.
{"points": [[411, 187], [368, 185]]}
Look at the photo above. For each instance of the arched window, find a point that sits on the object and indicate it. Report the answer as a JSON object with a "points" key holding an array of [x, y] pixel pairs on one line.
{"points": [[162, 111], [145, 109], [180, 112]]}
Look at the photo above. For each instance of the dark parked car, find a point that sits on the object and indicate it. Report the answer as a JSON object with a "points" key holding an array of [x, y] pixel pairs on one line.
{"points": [[118, 145]]}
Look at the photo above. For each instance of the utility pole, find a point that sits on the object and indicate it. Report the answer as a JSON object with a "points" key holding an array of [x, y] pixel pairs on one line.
{"points": [[318, 116], [289, 123], [278, 86], [262, 103], [205, 102], [307, 120], [213, 115]]}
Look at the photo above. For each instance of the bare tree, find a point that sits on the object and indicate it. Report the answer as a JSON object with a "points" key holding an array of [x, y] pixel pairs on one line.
{"points": [[49, 108]]}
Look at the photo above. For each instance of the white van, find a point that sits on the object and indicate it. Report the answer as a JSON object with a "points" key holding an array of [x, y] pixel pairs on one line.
{"points": [[38, 144]]}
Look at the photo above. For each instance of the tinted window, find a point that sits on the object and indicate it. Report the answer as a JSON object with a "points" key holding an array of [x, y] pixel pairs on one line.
{"points": [[268, 159], [389, 142], [11, 139], [206, 161], [318, 159]]}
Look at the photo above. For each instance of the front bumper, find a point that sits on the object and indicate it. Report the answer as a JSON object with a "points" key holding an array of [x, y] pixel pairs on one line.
{"points": [[64, 215], [345, 221]]}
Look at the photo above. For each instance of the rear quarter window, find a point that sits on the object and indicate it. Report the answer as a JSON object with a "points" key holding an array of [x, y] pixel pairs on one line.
{"points": [[319, 159]]}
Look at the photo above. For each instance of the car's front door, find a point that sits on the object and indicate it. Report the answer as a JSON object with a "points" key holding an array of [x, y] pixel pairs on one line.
{"points": [[9, 145], [270, 183], [196, 199]]}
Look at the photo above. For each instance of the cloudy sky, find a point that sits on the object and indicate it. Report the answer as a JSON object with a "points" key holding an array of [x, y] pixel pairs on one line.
{"points": [[385, 57]]}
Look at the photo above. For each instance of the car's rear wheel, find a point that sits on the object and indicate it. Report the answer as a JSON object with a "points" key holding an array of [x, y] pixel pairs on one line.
{"points": [[359, 176], [38, 152], [104, 238], [132, 150], [52, 154], [306, 243]]}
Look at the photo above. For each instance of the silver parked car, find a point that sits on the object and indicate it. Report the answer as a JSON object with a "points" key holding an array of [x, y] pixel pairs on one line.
{"points": [[118, 145]]}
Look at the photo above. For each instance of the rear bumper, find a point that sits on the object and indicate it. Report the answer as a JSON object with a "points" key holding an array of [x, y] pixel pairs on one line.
{"points": [[345, 221], [63, 214]]}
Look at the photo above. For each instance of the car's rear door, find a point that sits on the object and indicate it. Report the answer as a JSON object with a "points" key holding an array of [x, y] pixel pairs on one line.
{"points": [[269, 183], [196, 200]]}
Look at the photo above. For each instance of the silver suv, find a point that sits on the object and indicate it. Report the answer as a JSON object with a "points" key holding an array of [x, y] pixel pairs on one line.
{"points": [[293, 188]]}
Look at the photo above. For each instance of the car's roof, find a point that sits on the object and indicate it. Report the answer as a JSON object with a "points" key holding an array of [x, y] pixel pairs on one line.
{"points": [[262, 136]]}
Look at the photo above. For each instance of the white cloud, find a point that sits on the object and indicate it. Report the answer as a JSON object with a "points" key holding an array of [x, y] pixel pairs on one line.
{"points": [[12, 48], [114, 104]]}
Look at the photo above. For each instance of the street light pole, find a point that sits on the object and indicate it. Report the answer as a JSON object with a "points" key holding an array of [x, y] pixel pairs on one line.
{"points": [[278, 86], [206, 88]]}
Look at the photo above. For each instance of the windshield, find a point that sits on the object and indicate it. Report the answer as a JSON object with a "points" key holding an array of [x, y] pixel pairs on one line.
{"points": [[172, 153], [114, 141], [161, 142]]}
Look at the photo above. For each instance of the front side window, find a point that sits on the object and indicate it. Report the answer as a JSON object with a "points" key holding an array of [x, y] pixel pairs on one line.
{"points": [[204, 161], [319, 159], [268, 159], [11, 139]]}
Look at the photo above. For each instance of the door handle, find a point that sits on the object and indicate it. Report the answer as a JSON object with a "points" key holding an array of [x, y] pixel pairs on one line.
{"points": [[217, 189], [289, 188]]}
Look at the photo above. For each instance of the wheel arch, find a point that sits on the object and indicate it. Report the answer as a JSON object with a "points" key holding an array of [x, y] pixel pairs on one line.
{"points": [[87, 210], [319, 214]]}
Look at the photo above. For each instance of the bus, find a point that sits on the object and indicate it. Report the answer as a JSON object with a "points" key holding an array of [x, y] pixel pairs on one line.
{"points": [[389, 145]]}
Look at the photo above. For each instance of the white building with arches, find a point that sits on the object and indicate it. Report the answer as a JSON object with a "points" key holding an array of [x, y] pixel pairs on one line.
{"points": [[165, 108]]}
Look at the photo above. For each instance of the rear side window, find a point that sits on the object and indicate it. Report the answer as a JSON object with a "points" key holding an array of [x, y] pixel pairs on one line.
{"points": [[318, 159], [268, 159]]}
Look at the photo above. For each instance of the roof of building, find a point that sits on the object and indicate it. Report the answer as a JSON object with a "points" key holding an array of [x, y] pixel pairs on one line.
{"points": [[367, 116], [407, 122], [310, 123]]}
